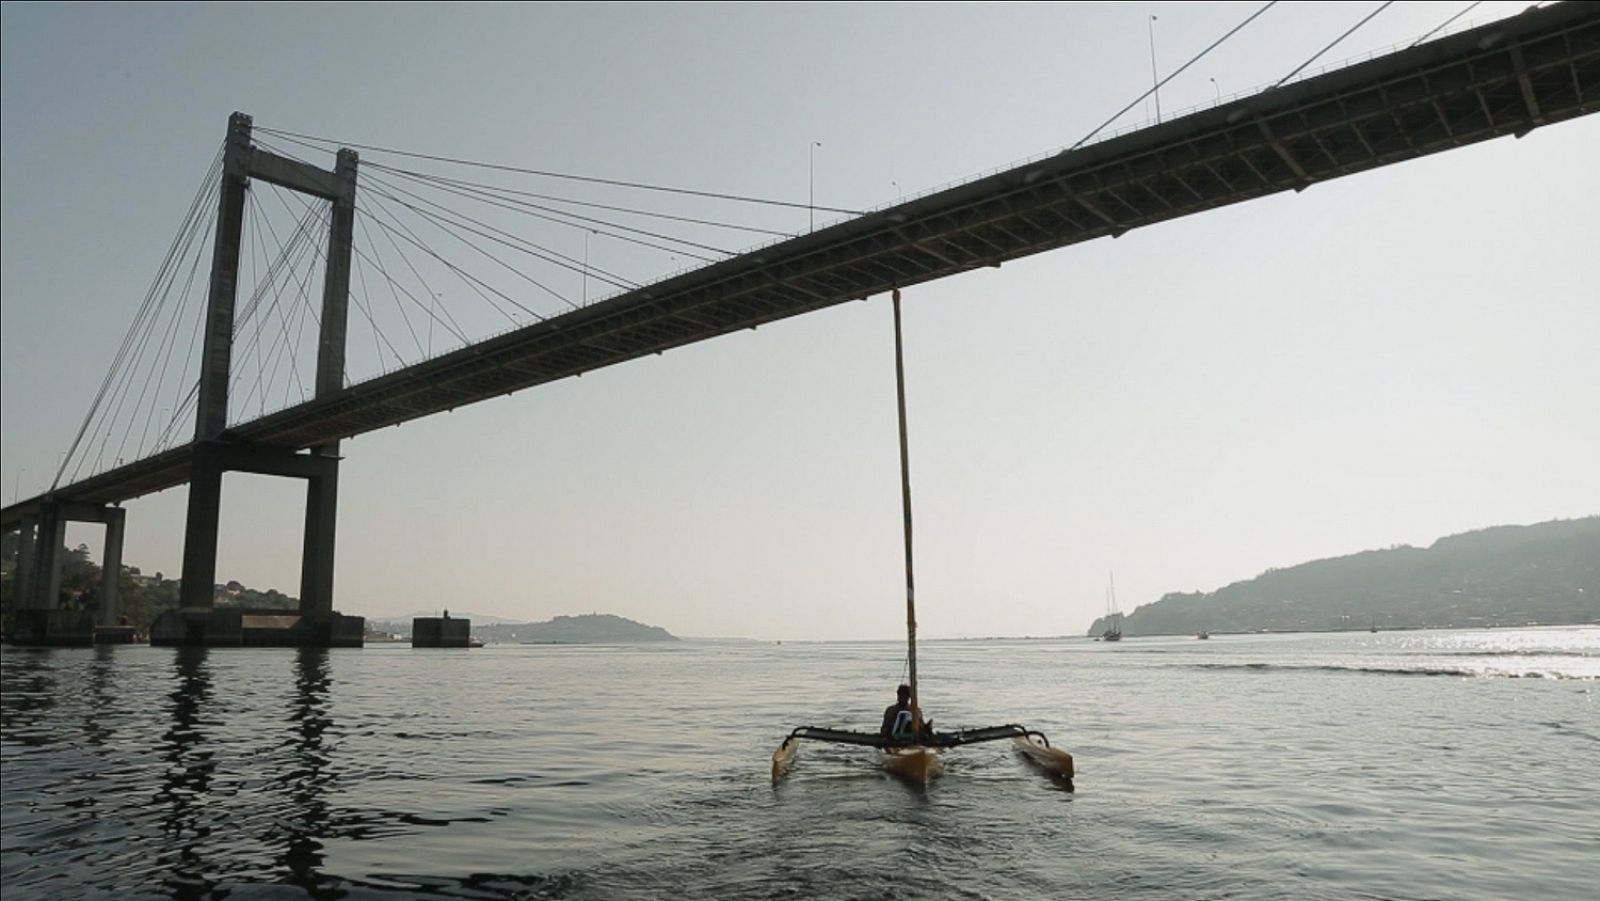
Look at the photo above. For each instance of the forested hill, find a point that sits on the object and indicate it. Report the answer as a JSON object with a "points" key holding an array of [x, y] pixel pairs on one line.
{"points": [[1547, 573]]}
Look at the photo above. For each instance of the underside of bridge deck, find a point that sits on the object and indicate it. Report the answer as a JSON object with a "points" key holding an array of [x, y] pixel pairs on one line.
{"points": [[1503, 79]]}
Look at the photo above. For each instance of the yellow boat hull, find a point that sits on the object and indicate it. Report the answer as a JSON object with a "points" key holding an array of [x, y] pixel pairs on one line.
{"points": [[913, 764], [1054, 760]]}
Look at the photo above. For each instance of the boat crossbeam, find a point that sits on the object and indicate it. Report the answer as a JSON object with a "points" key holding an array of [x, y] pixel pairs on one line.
{"points": [[1031, 741], [935, 740]]}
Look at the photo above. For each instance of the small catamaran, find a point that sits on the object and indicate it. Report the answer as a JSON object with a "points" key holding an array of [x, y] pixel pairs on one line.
{"points": [[917, 758]]}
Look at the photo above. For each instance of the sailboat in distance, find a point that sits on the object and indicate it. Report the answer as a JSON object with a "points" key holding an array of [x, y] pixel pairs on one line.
{"points": [[915, 755], [1113, 630]]}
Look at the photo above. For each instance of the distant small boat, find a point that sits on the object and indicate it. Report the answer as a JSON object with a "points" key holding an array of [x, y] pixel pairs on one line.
{"points": [[1203, 635], [1113, 630]]}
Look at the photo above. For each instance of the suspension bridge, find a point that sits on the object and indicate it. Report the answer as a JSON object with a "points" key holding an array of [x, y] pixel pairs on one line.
{"points": [[169, 415]]}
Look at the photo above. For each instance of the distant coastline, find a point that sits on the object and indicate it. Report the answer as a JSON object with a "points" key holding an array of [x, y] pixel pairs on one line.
{"points": [[588, 628], [1504, 576]]}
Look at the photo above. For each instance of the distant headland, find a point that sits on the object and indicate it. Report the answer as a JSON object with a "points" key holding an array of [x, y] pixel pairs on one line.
{"points": [[588, 628], [1548, 574]]}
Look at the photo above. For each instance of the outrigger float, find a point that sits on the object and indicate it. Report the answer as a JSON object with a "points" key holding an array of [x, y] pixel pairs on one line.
{"points": [[918, 759]]}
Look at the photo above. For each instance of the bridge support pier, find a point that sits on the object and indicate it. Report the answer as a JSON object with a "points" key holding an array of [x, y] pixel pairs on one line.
{"points": [[39, 618], [22, 577], [316, 556], [198, 622]]}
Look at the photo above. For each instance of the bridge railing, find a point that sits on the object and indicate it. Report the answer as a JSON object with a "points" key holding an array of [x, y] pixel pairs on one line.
{"points": [[1104, 136], [1140, 125]]}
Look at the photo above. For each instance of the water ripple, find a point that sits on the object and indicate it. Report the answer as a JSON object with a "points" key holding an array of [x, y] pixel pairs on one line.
{"points": [[1263, 767]]}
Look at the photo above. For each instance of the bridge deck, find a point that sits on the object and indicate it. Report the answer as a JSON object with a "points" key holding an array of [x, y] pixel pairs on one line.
{"points": [[1506, 78]]}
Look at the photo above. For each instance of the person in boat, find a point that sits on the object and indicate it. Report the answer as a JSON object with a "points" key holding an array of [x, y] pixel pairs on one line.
{"points": [[898, 721]]}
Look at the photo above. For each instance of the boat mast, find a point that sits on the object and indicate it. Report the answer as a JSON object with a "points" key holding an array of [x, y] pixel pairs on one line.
{"points": [[905, 498]]}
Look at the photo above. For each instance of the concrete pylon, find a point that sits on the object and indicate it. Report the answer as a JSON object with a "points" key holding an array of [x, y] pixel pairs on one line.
{"points": [[44, 577], [22, 584], [214, 452], [216, 358], [322, 491], [111, 568]]}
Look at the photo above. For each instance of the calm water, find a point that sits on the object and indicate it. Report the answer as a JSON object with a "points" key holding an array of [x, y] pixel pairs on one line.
{"points": [[1396, 765]]}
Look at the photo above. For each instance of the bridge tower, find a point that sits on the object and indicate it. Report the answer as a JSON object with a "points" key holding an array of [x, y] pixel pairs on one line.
{"points": [[216, 452]]}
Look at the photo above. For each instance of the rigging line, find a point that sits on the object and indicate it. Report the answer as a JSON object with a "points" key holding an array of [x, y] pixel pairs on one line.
{"points": [[258, 246], [105, 412], [167, 356], [716, 195], [377, 346], [137, 338], [377, 331], [444, 226], [300, 244], [105, 426], [447, 226], [461, 182], [284, 267], [250, 236], [307, 305], [363, 205], [282, 264], [1158, 85], [259, 239], [297, 315], [168, 262], [1445, 24], [171, 343], [471, 281], [263, 283], [515, 207], [1318, 54], [167, 434], [618, 225], [366, 295], [394, 284], [398, 306], [189, 357], [290, 327], [129, 377], [116, 362], [423, 245], [326, 215], [538, 250]]}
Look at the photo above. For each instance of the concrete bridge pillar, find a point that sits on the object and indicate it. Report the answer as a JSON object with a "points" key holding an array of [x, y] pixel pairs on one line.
{"points": [[22, 579], [198, 590], [316, 557], [319, 624], [111, 568], [39, 618], [44, 577]]}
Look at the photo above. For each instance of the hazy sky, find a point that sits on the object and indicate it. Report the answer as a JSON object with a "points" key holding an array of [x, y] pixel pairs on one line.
{"points": [[1381, 359]]}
